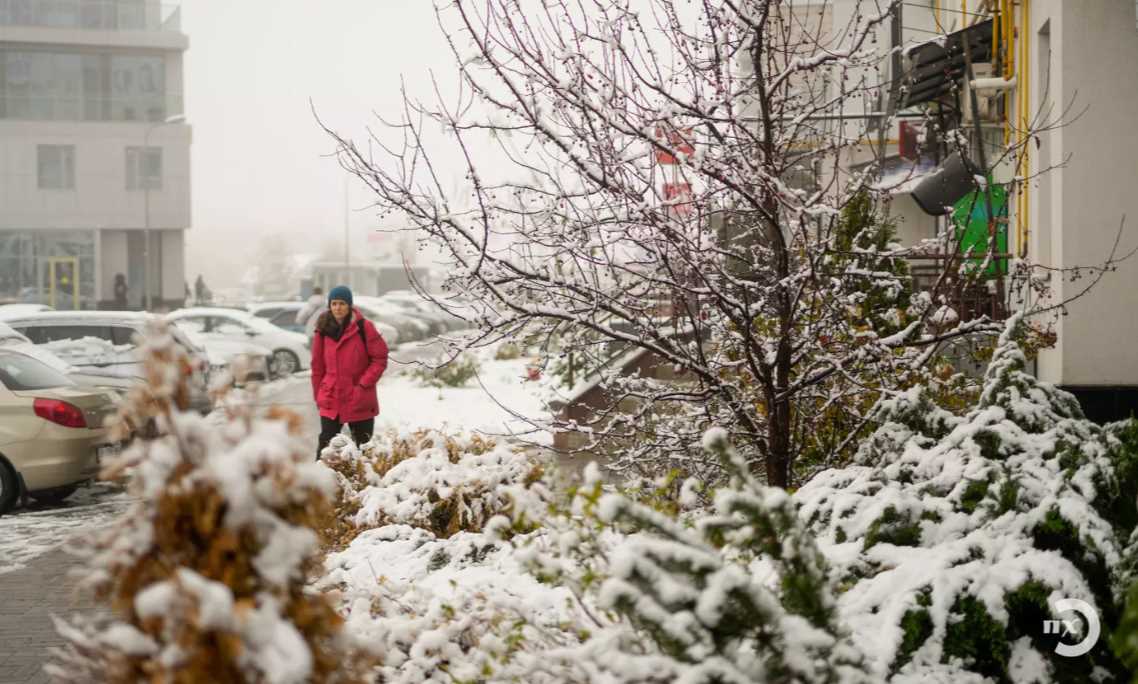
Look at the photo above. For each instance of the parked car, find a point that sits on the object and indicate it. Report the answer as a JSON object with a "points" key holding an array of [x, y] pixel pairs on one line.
{"points": [[225, 355], [101, 343], [414, 302], [54, 433], [280, 314], [283, 315], [410, 327], [10, 310], [84, 377], [288, 351]]}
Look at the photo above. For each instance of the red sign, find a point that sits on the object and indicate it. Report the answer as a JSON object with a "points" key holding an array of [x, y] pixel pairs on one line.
{"points": [[675, 139], [678, 196]]}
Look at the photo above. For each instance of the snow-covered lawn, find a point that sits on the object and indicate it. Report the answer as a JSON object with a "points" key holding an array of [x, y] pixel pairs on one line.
{"points": [[486, 404], [28, 533]]}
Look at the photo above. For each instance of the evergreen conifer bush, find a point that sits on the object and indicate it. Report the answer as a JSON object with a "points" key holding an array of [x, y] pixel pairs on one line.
{"points": [[203, 578], [737, 593], [953, 536]]}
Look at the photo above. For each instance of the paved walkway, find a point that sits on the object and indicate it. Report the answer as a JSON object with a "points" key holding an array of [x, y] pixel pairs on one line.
{"points": [[28, 598]]}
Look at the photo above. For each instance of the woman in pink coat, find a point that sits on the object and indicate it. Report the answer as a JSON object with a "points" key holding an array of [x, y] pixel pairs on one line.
{"points": [[348, 358]]}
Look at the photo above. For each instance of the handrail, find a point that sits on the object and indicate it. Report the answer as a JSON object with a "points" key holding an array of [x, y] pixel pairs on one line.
{"points": [[96, 15]]}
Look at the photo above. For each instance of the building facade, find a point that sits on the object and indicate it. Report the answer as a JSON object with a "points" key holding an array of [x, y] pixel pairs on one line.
{"points": [[1056, 89], [1067, 104], [94, 154]]}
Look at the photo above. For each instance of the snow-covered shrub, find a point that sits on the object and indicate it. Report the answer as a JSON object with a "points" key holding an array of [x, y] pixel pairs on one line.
{"points": [[460, 609], [741, 595], [454, 373], [953, 537], [508, 352], [441, 597], [203, 578], [434, 481]]}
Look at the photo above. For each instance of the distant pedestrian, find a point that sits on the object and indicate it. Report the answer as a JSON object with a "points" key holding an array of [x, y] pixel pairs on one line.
{"points": [[120, 292], [348, 359], [311, 311], [201, 292]]}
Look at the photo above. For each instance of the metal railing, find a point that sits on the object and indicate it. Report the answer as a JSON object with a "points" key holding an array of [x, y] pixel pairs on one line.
{"points": [[81, 108], [96, 15], [971, 295]]}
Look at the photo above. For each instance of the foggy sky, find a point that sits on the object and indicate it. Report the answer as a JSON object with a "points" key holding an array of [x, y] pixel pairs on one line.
{"points": [[260, 164]]}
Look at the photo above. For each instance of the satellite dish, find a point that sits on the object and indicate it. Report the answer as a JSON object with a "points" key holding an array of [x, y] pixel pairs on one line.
{"points": [[939, 191]]}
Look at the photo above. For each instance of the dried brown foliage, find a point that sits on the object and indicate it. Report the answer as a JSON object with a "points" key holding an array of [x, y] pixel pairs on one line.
{"points": [[196, 589], [467, 507]]}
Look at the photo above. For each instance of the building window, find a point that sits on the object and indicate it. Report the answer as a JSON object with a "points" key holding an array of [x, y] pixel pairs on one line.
{"points": [[72, 86], [55, 167], [143, 168]]}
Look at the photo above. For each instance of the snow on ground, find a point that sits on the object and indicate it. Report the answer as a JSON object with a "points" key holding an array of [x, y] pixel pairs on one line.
{"points": [[28, 533], [486, 404]]}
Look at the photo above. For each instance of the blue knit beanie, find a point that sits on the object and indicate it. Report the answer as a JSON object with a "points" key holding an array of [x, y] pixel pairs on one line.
{"points": [[340, 292]]}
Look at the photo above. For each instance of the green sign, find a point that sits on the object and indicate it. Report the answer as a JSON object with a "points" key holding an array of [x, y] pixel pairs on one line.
{"points": [[970, 216]]}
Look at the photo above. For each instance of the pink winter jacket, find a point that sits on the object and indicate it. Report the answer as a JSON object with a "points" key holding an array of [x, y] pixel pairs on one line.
{"points": [[344, 372]]}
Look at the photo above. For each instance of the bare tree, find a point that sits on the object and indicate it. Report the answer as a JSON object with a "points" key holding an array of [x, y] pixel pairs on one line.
{"points": [[672, 178]]}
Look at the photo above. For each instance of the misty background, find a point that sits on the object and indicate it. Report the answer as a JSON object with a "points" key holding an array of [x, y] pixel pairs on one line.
{"points": [[264, 178]]}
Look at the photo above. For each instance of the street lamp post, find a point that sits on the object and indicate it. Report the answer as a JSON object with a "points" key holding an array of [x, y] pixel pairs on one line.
{"points": [[145, 180]]}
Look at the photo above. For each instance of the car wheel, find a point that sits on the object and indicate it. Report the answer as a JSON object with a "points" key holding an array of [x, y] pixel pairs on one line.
{"points": [[9, 487], [283, 363], [53, 496]]}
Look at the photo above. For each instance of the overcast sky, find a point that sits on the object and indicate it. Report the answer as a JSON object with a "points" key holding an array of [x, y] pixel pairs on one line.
{"points": [[260, 164]]}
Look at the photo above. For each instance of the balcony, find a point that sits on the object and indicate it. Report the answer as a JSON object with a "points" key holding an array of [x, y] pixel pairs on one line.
{"points": [[959, 284], [93, 15]]}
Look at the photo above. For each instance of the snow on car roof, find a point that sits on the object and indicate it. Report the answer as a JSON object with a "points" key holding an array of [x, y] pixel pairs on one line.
{"points": [[208, 311], [132, 317], [253, 308]]}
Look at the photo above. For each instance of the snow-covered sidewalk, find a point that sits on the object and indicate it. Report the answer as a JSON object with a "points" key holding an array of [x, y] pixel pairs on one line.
{"points": [[28, 533]]}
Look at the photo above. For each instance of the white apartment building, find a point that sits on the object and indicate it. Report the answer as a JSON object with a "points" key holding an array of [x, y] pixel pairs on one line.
{"points": [[1065, 70], [94, 153]]}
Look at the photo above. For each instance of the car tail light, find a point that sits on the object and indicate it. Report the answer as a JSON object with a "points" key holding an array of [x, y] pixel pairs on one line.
{"points": [[60, 412]]}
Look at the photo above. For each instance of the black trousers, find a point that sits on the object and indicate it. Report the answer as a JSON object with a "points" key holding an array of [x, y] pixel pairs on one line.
{"points": [[330, 427]]}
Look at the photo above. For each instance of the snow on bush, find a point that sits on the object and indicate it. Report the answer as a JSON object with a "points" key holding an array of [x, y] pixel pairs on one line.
{"points": [[434, 481], [953, 537], [739, 593], [203, 578], [456, 372], [426, 576]]}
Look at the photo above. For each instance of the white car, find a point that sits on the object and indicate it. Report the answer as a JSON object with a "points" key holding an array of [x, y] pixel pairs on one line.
{"points": [[288, 351], [15, 310], [11, 339], [283, 315], [101, 345], [230, 355]]}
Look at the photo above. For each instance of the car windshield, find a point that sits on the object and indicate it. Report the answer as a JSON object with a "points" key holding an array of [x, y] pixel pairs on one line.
{"points": [[184, 340], [8, 334], [260, 325], [19, 373]]}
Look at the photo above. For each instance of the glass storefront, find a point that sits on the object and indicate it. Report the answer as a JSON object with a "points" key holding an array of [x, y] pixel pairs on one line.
{"points": [[55, 267]]}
